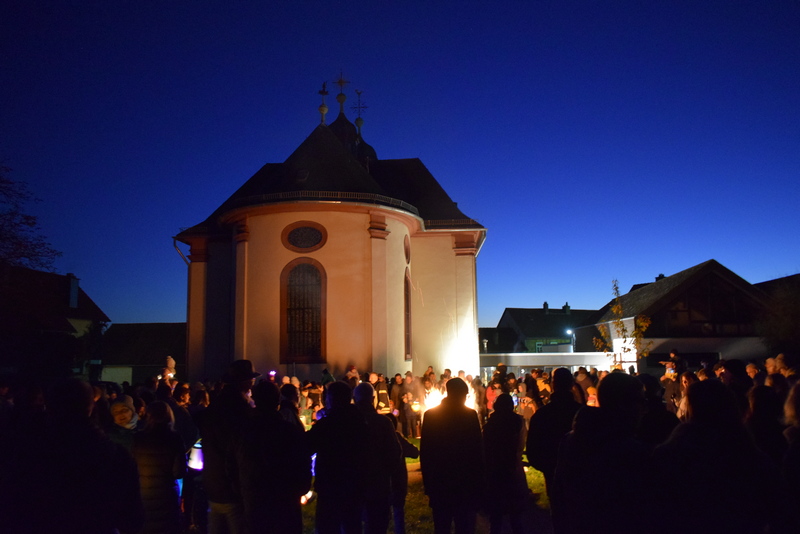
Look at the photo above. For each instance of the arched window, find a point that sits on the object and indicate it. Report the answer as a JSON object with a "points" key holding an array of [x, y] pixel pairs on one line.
{"points": [[303, 288], [407, 314]]}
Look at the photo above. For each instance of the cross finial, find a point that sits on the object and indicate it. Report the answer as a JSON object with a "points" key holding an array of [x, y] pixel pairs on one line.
{"points": [[359, 107], [323, 109], [341, 82]]}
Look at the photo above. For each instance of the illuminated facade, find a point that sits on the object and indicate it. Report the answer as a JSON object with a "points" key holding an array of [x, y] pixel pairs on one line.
{"points": [[334, 258]]}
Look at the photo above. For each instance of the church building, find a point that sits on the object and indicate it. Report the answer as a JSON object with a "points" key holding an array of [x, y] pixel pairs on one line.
{"points": [[334, 258]]}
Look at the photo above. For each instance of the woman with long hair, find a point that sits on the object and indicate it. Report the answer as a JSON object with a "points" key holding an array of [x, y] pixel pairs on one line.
{"points": [[687, 379]]}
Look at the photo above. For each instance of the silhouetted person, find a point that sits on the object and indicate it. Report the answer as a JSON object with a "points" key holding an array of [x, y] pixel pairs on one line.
{"points": [[65, 475], [601, 465], [399, 479], [451, 457], [657, 422], [383, 451], [550, 424], [711, 471], [274, 467], [340, 441], [791, 461], [159, 454], [183, 423], [503, 442], [764, 421], [289, 408], [220, 425]]}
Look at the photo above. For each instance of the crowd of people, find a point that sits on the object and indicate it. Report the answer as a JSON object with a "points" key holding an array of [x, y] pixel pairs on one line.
{"points": [[715, 449]]}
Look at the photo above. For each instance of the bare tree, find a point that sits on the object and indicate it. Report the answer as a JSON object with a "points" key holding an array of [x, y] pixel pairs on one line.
{"points": [[21, 241]]}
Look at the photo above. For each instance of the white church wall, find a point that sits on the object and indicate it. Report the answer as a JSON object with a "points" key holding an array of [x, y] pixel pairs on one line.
{"points": [[443, 312]]}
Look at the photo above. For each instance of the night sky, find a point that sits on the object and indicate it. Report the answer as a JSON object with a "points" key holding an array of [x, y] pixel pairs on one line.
{"points": [[593, 139]]}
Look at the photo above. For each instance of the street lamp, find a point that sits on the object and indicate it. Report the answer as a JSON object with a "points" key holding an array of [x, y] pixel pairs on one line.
{"points": [[572, 336]]}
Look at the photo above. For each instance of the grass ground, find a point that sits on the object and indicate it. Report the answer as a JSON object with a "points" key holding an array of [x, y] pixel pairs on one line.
{"points": [[418, 514]]}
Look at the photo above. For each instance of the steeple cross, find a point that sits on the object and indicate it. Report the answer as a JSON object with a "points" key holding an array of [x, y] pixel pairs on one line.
{"points": [[341, 82], [359, 107]]}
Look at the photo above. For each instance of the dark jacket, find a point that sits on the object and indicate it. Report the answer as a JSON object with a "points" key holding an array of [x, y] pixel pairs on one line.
{"points": [[161, 461], [451, 454], [68, 477], [220, 425], [600, 467], [548, 426], [383, 452], [274, 472], [503, 443], [340, 441], [718, 481]]}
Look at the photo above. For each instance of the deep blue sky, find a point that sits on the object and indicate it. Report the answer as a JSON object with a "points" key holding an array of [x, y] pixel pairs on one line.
{"points": [[594, 139]]}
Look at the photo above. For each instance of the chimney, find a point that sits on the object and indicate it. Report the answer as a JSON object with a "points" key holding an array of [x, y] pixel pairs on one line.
{"points": [[546, 308], [74, 286], [660, 277], [566, 308]]}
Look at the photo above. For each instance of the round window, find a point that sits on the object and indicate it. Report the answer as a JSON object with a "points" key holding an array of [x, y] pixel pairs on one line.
{"points": [[304, 236]]}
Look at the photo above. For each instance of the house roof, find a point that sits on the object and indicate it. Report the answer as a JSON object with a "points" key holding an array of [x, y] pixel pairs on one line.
{"points": [[545, 322], [143, 343], [786, 283], [31, 299], [335, 164], [648, 298]]}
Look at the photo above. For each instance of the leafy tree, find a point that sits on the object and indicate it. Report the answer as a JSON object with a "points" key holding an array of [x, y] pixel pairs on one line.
{"points": [[640, 325], [21, 242]]}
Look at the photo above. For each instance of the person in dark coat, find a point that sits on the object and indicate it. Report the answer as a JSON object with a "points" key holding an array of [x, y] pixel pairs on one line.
{"points": [[274, 467], [399, 478], [657, 422], [601, 465], [340, 441], [183, 422], [220, 425], [711, 472], [452, 463], [550, 424], [383, 451], [62, 474], [158, 451], [764, 422], [503, 442]]}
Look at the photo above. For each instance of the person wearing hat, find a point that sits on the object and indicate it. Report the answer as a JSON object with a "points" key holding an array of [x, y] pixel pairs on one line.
{"points": [[220, 426]]}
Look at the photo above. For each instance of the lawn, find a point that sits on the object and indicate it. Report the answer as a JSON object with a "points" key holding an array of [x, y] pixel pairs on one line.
{"points": [[418, 513]]}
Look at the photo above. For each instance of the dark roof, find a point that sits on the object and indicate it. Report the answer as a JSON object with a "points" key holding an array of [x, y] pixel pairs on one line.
{"points": [[649, 298], [410, 181], [545, 322], [39, 300], [332, 164], [143, 343], [787, 283]]}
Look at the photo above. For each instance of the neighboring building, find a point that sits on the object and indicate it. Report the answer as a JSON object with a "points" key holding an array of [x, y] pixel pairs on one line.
{"points": [[134, 352], [542, 329], [48, 324], [706, 312], [334, 258]]}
